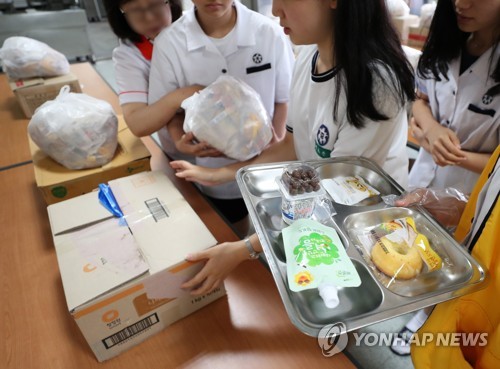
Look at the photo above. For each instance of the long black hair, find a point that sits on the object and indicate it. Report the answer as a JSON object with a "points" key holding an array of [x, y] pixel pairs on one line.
{"points": [[364, 35], [119, 24], [444, 43]]}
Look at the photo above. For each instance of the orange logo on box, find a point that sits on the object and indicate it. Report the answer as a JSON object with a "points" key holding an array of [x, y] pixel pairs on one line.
{"points": [[87, 268], [109, 316]]}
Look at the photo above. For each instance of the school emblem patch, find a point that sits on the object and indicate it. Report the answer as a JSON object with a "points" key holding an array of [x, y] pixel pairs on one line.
{"points": [[323, 135], [322, 138], [257, 58], [487, 99]]}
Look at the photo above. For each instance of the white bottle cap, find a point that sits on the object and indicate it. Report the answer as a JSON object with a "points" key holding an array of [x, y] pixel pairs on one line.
{"points": [[329, 294]]}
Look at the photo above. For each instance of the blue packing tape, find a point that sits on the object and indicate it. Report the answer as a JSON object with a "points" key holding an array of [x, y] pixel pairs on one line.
{"points": [[107, 199]]}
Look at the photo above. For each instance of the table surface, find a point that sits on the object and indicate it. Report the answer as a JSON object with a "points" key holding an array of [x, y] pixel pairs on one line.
{"points": [[248, 328]]}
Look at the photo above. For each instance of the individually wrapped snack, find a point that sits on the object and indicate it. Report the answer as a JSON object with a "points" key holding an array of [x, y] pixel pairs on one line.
{"points": [[348, 190], [398, 250], [300, 191], [76, 130], [230, 116], [316, 258], [24, 57]]}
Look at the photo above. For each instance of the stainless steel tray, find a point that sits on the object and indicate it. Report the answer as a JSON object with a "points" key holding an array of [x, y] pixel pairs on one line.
{"points": [[372, 301]]}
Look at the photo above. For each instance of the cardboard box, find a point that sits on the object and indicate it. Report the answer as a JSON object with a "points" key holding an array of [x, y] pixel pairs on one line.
{"points": [[58, 183], [33, 92], [122, 280], [417, 37]]}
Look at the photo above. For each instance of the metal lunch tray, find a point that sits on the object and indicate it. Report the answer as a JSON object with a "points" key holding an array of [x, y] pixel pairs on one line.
{"points": [[377, 298]]}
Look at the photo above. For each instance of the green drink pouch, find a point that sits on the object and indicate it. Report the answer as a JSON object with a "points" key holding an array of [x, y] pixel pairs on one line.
{"points": [[315, 256]]}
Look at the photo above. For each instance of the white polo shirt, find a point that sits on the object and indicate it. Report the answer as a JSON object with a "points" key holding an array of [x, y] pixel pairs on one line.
{"points": [[132, 73], [463, 105], [258, 53], [317, 135]]}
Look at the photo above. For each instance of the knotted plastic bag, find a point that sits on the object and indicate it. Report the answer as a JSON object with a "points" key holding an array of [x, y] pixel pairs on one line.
{"points": [[24, 57], [76, 130], [230, 116]]}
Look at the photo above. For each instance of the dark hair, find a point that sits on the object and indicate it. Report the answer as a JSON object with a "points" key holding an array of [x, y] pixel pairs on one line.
{"points": [[119, 23], [364, 35], [444, 43]]}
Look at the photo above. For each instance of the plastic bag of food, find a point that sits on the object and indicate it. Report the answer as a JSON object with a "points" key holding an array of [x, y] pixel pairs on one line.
{"points": [[445, 204], [426, 14], [76, 130], [316, 258], [397, 8], [229, 115], [398, 250], [24, 57], [348, 190]]}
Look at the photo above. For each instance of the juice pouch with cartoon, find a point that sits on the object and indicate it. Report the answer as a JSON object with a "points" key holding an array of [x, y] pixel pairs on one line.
{"points": [[316, 257]]}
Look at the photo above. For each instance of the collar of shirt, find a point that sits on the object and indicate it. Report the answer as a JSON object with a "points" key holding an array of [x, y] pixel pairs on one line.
{"points": [[145, 47], [196, 38], [479, 69]]}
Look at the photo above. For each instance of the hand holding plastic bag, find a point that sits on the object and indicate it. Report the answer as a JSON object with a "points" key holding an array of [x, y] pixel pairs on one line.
{"points": [[23, 57], [446, 205], [76, 130], [230, 116]]}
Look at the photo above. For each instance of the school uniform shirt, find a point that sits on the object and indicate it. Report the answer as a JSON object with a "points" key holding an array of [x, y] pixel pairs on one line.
{"points": [[132, 62], [318, 135], [466, 105], [255, 51], [132, 71]]}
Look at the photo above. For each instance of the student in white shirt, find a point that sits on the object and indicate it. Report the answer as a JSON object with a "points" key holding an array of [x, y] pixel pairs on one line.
{"points": [[349, 95], [457, 113], [136, 23], [214, 39]]}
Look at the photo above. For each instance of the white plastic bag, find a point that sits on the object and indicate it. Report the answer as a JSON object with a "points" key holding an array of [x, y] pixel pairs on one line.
{"points": [[23, 57], [76, 130], [426, 14], [229, 115], [397, 8]]}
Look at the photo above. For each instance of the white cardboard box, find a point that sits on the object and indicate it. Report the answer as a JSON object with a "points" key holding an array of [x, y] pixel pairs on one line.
{"points": [[122, 279]]}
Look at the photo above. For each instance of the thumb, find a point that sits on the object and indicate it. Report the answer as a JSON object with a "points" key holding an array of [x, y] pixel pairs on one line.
{"points": [[197, 256], [188, 136], [454, 139]]}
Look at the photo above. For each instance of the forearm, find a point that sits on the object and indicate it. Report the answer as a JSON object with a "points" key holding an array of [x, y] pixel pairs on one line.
{"points": [[475, 162], [423, 115], [279, 121], [175, 127], [143, 119], [280, 151]]}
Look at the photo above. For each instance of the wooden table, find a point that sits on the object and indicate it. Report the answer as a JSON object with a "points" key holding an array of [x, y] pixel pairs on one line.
{"points": [[247, 329]]}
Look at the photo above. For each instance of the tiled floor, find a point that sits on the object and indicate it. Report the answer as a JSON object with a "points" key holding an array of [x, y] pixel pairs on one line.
{"points": [[103, 41]]}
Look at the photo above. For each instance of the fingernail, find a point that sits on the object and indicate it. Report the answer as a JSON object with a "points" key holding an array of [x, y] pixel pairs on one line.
{"points": [[188, 257]]}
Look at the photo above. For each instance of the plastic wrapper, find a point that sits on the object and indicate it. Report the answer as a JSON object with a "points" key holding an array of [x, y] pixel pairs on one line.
{"points": [[445, 204], [229, 115], [76, 130], [316, 258], [398, 250], [348, 190], [23, 57]]}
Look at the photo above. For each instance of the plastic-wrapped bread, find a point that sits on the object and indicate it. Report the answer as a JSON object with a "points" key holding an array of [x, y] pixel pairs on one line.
{"points": [[24, 57], [229, 115], [76, 130]]}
